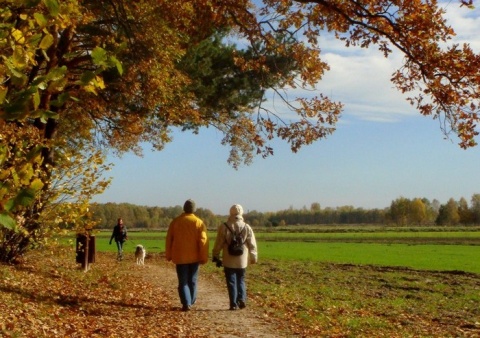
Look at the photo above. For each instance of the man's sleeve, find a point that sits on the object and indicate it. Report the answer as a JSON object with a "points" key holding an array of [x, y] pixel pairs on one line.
{"points": [[204, 244]]}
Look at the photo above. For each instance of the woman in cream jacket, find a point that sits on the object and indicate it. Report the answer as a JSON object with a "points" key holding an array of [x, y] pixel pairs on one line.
{"points": [[235, 266]]}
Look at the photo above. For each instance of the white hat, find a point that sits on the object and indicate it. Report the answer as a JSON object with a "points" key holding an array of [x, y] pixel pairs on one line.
{"points": [[236, 210]]}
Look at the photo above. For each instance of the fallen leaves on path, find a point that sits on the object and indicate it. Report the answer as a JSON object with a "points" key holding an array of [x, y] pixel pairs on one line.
{"points": [[49, 295], [53, 297]]}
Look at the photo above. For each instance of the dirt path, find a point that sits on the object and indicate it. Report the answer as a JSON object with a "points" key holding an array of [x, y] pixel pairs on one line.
{"points": [[210, 313]]}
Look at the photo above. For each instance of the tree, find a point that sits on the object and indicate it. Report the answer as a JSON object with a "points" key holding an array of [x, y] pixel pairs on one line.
{"points": [[404, 211], [399, 211], [448, 213], [431, 209], [418, 211], [475, 208], [464, 212], [315, 207], [82, 75]]}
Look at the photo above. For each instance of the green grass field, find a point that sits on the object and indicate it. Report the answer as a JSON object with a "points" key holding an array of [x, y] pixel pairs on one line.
{"points": [[376, 283], [423, 257], [442, 251]]}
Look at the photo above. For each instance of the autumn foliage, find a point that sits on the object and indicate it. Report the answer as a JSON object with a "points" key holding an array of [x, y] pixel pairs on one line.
{"points": [[78, 77]]}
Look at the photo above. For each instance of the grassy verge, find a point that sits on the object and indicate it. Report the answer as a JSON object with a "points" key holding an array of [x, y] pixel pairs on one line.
{"points": [[343, 300]]}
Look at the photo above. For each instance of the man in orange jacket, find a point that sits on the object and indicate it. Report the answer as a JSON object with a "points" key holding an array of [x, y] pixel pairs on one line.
{"points": [[187, 247]]}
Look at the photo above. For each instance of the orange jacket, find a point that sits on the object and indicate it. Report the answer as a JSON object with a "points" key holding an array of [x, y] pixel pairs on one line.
{"points": [[187, 240]]}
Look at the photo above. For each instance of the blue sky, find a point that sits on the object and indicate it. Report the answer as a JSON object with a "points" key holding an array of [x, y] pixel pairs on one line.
{"points": [[382, 149]]}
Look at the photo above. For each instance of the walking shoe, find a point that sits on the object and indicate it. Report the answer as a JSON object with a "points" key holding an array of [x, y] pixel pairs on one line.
{"points": [[186, 308], [241, 304], [233, 307]]}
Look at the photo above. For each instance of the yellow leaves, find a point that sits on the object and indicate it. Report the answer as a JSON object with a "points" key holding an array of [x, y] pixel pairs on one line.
{"points": [[46, 42], [36, 100], [100, 56], [91, 82], [3, 152], [24, 174], [20, 58], [76, 178], [102, 59], [99, 82], [20, 179], [3, 93], [36, 184], [28, 46], [18, 36]]}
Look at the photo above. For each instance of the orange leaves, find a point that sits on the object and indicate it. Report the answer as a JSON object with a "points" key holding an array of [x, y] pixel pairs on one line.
{"points": [[281, 39], [317, 118], [444, 82], [54, 298]]}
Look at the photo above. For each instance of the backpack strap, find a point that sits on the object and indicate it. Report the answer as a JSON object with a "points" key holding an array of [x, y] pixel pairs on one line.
{"points": [[230, 229], [234, 232]]}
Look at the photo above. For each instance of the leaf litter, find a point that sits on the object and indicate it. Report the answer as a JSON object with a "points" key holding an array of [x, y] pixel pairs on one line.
{"points": [[50, 295]]}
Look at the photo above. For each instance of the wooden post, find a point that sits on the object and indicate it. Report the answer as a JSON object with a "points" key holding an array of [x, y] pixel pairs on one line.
{"points": [[85, 260]]}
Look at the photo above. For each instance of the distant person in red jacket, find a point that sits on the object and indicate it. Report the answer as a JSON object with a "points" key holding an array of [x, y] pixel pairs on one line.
{"points": [[120, 235]]}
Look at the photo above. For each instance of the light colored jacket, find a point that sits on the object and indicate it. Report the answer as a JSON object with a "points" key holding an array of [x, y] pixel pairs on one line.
{"points": [[224, 237], [187, 240]]}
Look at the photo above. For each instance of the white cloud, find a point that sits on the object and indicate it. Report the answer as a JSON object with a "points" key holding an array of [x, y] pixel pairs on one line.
{"points": [[360, 78], [465, 22], [362, 83]]}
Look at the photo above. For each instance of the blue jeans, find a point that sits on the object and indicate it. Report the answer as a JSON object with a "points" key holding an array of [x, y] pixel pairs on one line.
{"points": [[187, 282], [237, 290]]}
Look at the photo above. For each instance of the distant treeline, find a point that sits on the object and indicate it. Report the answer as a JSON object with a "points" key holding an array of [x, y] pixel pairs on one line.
{"points": [[402, 211], [143, 217]]}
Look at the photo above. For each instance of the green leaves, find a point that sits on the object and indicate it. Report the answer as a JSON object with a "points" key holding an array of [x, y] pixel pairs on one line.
{"points": [[101, 58], [23, 199], [40, 19], [53, 7], [7, 221]]}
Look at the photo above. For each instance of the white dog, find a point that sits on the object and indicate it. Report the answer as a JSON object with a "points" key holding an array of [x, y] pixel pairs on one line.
{"points": [[140, 253]]}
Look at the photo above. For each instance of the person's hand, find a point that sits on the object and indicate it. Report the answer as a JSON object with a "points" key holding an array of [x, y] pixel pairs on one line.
{"points": [[218, 262]]}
